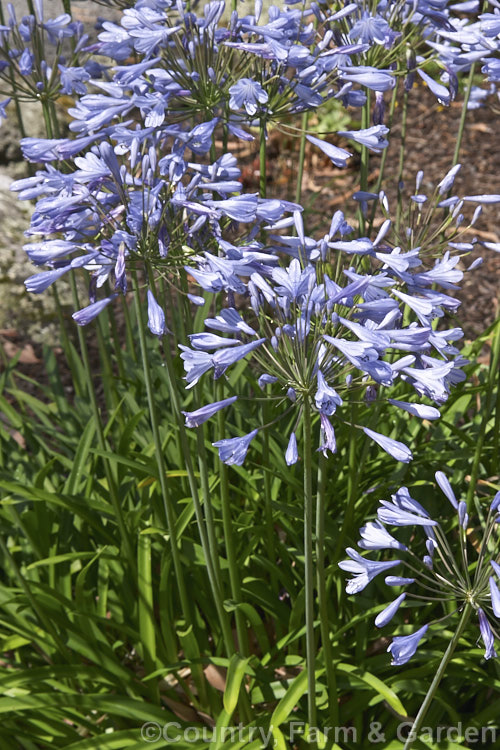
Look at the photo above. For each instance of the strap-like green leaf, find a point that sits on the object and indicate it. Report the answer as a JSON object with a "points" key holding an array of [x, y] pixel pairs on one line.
{"points": [[376, 684], [235, 675]]}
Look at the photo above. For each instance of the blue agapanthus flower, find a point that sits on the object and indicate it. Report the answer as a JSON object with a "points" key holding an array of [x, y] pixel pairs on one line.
{"points": [[234, 450], [373, 28], [441, 570], [249, 95]]}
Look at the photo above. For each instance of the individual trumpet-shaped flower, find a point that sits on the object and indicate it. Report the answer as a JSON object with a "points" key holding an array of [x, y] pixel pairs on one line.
{"points": [[443, 95], [199, 416], [486, 635], [291, 455], [376, 80], [234, 450], [247, 94], [328, 439], [373, 138], [404, 511], [197, 362], [394, 448], [403, 647], [338, 156], [375, 536], [326, 398], [418, 410], [365, 570], [156, 316], [445, 487], [435, 566], [371, 29], [388, 613], [87, 314]]}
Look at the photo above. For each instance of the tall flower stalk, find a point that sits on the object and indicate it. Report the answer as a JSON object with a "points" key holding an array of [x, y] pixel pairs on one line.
{"points": [[164, 489], [324, 619], [309, 563], [447, 656]]}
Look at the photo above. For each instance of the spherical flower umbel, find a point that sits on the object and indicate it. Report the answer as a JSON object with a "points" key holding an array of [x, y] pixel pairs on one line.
{"points": [[447, 572], [320, 341]]}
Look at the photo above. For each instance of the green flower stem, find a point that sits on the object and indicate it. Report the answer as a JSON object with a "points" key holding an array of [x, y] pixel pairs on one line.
{"points": [[110, 478], [65, 342], [352, 483], [331, 677], [165, 492], [108, 380], [365, 159], [486, 410], [207, 535], [206, 531], [210, 551], [383, 158], [463, 117], [309, 564], [262, 159], [268, 508], [437, 678], [402, 154], [47, 119], [302, 154], [227, 522], [55, 122], [116, 342], [206, 525], [210, 523], [130, 342]]}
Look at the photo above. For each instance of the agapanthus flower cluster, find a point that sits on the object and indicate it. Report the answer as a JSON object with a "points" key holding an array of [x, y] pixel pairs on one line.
{"points": [[432, 225], [460, 43], [41, 58], [125, 208], [330, 341], [411, 35], [455, 564], [245, 72], [333, 340]]}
